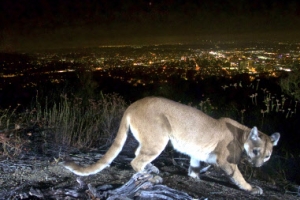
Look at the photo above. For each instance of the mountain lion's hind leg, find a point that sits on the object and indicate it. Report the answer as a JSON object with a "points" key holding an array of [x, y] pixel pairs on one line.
{"points": [[146, 154], [194, 168]]}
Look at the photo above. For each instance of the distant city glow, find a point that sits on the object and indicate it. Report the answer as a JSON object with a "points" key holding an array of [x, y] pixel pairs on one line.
{"points": [[145, 65]]}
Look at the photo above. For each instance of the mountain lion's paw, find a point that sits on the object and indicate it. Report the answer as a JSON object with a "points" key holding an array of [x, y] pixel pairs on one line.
{"points": [[193, 174], [256, 190], [156, 180], [151, 168]]}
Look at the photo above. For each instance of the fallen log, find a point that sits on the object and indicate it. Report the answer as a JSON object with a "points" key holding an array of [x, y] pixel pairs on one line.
{"points": [[141, 186]]}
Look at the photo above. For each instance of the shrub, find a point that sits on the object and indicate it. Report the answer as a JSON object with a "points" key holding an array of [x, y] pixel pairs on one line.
{"points": [[291, 84], [72, 121], [10, 133], [74, 124]]}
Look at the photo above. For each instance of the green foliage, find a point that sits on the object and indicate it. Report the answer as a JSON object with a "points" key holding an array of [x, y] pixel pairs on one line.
{"points": [[291, 84], [8, 118], [87, 86]]}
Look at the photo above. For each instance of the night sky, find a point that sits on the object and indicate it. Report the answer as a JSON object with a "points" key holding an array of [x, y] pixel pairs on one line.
{"points": [[39, 24]]}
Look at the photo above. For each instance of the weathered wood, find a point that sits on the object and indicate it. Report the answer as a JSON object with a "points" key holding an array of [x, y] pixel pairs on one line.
{"points": [[144, 186], [140, 186]]}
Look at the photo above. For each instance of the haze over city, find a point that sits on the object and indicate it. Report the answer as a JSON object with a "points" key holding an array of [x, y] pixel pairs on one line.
{"points": [[45, 24]]}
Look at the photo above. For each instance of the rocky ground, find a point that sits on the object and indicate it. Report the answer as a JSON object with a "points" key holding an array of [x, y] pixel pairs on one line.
{"points": [[39, 175]]}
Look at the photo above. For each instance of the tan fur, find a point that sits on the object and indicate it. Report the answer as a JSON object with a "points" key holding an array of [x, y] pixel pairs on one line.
{"points": [[154, 121]]}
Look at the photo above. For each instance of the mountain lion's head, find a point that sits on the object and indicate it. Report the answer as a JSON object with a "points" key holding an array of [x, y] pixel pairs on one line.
{"points": [[259, 147]]}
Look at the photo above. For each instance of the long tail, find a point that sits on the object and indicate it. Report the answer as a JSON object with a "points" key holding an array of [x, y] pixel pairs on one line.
{"points": [[108, 157]]}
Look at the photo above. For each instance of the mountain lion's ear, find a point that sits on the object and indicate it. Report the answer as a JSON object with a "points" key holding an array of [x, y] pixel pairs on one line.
{"points": [[275, 138], [254, 134]]}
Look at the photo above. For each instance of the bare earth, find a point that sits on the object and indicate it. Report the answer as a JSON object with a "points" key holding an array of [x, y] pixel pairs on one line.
{"points": [[38, 174]]}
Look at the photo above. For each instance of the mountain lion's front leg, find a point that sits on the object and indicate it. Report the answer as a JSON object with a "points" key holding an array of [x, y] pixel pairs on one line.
{"points": [[194, 168], [234, 173]]}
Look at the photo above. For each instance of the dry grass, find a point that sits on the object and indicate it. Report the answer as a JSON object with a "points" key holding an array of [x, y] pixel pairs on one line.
{"points": [[71, 122], [10, 137]]}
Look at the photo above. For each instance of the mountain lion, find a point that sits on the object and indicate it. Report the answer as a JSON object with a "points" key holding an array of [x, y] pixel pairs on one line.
{"points": [[154, 121]]}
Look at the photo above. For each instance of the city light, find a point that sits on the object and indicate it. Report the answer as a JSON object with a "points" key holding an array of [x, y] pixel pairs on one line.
{"points": [[149, 64]]}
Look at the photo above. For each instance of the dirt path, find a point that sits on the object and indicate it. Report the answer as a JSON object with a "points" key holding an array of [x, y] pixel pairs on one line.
{"points": [[40, 176]]}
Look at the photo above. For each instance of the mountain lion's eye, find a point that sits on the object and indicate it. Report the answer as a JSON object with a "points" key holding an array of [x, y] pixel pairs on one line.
{"points": [[255, 152]]}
